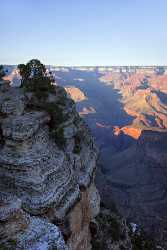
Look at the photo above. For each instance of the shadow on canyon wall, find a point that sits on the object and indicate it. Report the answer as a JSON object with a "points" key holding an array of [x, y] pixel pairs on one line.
{"points": [[107, 103], [162, 96]]}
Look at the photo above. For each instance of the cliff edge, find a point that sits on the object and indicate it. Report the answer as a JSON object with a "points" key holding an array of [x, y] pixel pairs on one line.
{"points": [[47, 167]]}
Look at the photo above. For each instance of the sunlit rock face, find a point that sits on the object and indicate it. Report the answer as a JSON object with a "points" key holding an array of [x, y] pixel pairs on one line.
{"points": [[47, 193], [143, 97], [75, 93]]}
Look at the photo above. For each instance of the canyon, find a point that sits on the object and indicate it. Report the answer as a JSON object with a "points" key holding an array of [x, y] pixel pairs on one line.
{"points": [[126, 111], [129, 123]]}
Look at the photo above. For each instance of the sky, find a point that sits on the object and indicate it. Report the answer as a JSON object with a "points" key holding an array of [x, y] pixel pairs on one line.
{"points": [[84, 32]]}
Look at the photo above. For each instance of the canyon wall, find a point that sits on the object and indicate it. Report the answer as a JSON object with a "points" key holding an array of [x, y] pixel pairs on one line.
{"points": [[47, 169]]}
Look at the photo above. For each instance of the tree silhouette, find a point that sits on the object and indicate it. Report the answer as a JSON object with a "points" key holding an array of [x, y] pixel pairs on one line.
{"points": [[35, 78]]}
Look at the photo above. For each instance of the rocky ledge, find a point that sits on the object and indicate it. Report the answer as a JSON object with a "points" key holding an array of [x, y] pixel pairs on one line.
{"points": [[47, 166]]}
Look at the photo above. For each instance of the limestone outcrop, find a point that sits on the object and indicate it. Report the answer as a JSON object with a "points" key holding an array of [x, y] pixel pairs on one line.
{"points": [[47, 168]]}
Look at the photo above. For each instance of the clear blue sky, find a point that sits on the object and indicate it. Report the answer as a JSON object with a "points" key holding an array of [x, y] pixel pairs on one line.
{"points": [[87, 32]]}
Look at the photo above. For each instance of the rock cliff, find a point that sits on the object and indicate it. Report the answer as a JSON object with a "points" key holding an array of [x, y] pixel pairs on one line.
{"points": [[47, 167]]}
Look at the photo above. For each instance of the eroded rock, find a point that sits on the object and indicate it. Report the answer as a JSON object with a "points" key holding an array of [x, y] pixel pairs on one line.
{"points": [[42, 183]]}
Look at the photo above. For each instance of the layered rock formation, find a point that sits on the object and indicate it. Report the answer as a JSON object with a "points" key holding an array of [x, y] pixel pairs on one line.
{"points": [[47, 167], [143, 96]]}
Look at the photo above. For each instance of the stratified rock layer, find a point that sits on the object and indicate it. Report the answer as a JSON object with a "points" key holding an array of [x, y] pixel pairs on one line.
{"points": [[46, 190]]}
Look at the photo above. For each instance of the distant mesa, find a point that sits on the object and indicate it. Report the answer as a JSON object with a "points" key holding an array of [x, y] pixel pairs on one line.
{"points": [[87, 110], [102, 125], [133, 132], [127, 130], [75, 93]]}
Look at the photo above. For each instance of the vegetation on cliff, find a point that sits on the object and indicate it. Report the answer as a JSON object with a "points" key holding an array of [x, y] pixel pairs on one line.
{"points": [[38, 81], [111, 231], [35, 79]]}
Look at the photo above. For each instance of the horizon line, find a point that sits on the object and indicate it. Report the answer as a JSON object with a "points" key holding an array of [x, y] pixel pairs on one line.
{"points": [[93, 66]]}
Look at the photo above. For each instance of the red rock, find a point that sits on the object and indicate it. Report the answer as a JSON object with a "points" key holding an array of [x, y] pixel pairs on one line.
{"points": [[133, 132]]}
